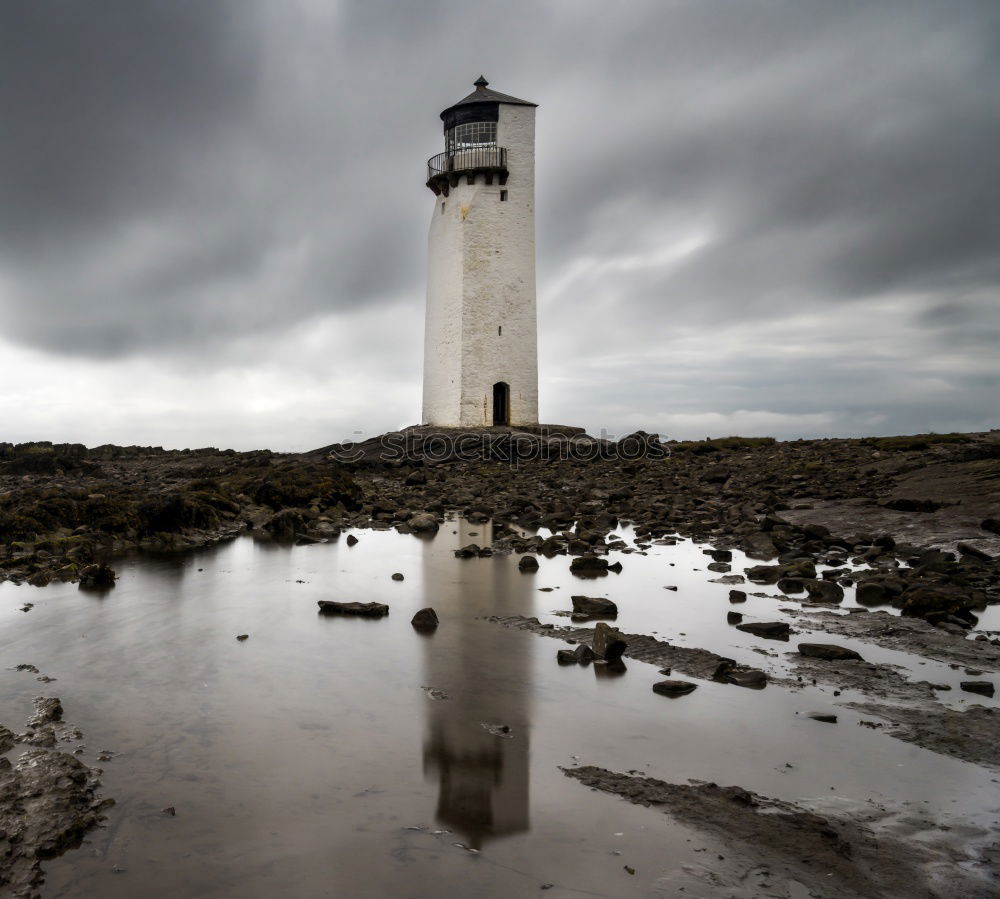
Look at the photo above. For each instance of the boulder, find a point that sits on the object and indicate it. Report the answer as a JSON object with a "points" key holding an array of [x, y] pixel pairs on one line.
{"points": [[674, 688], [737, 596], [871, 593], [772, 630], [589, 566], [423, 523], [425, 620], [609, 642], [97, 577], [581, 655], [751, 678], [527, 563], [759, 546], [593, 607], [734, 617], [469, 551], [930, 600], [358, 609], [791, 585], [719, 567], [351, 540], [828, 652], [824, 591], [827, 717]]}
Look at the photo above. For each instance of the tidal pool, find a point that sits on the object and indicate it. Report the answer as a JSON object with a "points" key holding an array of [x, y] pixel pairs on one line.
{"points": [[310, 760]]}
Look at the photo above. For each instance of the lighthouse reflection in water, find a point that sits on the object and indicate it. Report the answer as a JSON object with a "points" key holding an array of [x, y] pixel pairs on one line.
{"points": [[482, 776]]}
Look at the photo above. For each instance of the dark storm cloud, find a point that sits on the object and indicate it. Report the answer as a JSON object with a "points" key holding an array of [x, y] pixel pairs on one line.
{"points": [[193, 178]]}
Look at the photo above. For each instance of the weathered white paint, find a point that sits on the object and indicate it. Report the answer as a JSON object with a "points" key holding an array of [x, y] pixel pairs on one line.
{"points": [[481, 279]]}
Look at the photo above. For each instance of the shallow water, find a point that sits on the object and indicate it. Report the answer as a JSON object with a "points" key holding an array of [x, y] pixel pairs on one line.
{"points": [[309, 761]]}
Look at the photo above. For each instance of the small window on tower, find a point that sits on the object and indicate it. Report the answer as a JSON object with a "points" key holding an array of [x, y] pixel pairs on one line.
{"points": [[503, 195], [499, 330], [442, 207]]}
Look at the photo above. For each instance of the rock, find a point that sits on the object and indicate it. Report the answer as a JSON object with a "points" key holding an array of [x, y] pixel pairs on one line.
{"points": [[719, 567], [425, 620], [584, 654], [358, 609], [47, 711], [751, 678], [674, 688], [991, 524], [772, 630], [729, 579], [48, 803], [527, 563], [285, 525], [759, 546], [589, 566], [351, 540], [982, 687], [609, 643], [871, 593], [827, 717], [791, 585], [423, 523], [469, 551], [734, 617], [828, 652], [737, 596], [397, 576], [566, 657], [922, 601], [242, 637], [593, 607], [967, 549], [824, 591], [97, 577]]}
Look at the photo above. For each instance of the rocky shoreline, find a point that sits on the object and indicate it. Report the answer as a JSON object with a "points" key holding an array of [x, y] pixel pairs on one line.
{"points": [[913, 523]]}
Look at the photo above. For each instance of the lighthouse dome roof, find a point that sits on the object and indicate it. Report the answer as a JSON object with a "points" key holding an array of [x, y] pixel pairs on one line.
{"points": [[482, 95]]}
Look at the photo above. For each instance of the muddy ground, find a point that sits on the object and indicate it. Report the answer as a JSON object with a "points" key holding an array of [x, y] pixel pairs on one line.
{"points": [[922, 515]]}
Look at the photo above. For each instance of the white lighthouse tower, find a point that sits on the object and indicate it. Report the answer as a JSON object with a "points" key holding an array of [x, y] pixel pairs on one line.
{"points": [[480, 340]]}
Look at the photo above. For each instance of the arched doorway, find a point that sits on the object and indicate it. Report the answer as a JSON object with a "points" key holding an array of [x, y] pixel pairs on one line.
{"points": [[501, 403]]}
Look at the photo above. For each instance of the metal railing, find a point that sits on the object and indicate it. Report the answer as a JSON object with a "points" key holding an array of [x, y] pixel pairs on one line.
{"points": [[466, 159]]}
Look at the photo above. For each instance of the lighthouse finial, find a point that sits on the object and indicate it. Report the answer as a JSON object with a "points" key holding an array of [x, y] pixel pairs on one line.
{"points": [[481, 82]]}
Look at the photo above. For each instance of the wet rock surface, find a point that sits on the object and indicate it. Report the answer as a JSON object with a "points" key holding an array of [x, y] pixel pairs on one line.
{"points": [[641, 647], [48, 803], [827, 855], [48, 798], [972, 735]]}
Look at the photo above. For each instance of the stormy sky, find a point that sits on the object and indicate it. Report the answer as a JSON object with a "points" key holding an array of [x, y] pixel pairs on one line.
{"points": [[753, 217]]}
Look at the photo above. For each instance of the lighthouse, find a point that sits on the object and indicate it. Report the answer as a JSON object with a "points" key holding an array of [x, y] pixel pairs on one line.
{"points": [[480, 337]]}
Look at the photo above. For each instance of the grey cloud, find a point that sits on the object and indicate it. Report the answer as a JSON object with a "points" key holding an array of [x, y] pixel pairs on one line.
{"points": [[187, 178]]}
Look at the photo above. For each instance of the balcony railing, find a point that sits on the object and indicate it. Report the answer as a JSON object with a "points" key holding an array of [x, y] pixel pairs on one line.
{"points": [[444, 170]]}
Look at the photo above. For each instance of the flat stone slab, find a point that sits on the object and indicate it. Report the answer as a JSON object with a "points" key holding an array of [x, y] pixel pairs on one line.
{"points": [[829, 652], [772, 630], [356, 609]]}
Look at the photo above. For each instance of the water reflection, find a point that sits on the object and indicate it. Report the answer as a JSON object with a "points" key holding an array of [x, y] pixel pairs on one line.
{"points": [[483, 777]]}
